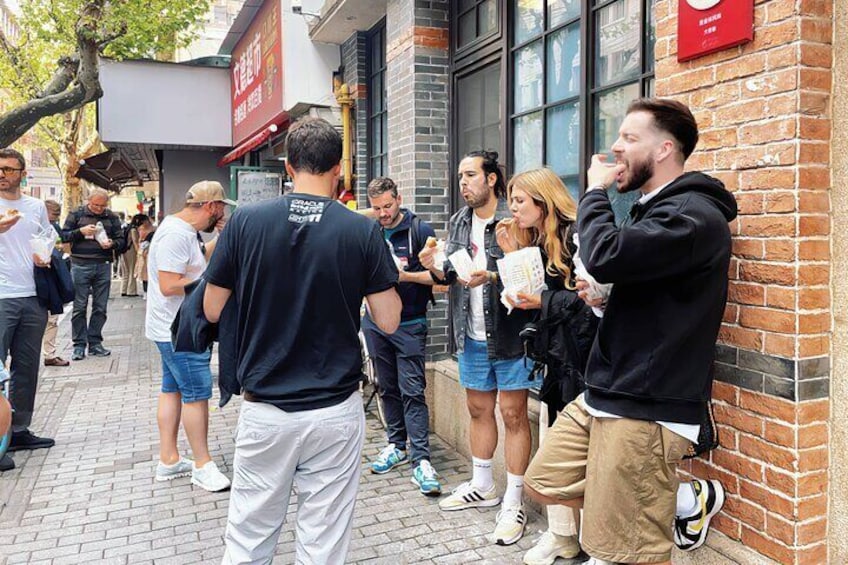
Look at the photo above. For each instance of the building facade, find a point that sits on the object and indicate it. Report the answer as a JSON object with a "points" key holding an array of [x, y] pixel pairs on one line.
{"points": [[547, 82]]}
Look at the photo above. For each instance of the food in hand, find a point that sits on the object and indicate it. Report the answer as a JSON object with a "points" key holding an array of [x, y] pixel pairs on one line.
{"points": [[12, 212], [431, 242]]}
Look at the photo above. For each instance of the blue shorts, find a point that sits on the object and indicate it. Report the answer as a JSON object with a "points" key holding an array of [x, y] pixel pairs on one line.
{"points": [[478, 372], [186, 373]]}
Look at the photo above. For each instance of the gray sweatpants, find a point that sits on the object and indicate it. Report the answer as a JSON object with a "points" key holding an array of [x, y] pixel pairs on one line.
{"points": [[317, 451], [22, 322]]}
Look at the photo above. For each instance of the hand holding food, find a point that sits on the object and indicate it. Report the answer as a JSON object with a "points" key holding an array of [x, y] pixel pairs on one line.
{"points": [[505, 241], [427, 256], [9, 219]]}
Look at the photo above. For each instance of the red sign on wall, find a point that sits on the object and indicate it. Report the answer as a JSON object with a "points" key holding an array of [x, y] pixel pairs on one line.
{"points": [[706, 26], [257, 74]]}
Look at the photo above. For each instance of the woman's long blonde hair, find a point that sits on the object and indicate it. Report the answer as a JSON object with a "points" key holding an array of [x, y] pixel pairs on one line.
{"points": [[559, 212]]}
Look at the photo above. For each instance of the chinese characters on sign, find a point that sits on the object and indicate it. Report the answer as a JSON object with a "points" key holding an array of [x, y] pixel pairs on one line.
{"points": [[257, 81], [255, 186], [706, 26]]}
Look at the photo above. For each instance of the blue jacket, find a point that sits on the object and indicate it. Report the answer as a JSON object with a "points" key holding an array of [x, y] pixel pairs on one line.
{"points": [[54, 286]]}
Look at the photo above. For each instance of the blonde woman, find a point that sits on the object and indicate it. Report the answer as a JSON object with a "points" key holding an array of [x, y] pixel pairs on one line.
{"points": [[544, 215]]}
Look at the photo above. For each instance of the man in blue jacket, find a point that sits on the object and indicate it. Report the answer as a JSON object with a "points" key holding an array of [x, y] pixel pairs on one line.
{"points": [[399, 357], [648, 378]]}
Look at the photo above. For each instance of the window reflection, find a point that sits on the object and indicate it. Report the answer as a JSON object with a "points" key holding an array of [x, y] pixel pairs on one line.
{"points": [[563, 139], [563, 63], [528, 19], [527, 141], [560, 11], [528, 77], [618, 43]]}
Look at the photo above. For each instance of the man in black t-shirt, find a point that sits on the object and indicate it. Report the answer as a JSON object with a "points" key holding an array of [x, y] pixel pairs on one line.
{"points": [[298, 268]]}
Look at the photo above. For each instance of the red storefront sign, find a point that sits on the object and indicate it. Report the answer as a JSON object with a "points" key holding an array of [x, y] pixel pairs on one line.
{"points": [[706, 26], [257, 74]]}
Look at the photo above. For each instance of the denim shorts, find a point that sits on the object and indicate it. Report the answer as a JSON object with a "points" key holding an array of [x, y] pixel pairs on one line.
{"points": [[186, 372], [478, 372]]}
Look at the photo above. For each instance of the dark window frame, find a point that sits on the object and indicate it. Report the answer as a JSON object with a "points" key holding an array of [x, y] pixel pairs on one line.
{"points": [[472, 46], [378, 31], [588, 91]]}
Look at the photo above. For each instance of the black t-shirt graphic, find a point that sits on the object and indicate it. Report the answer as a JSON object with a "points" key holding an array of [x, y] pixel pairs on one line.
{"points": [[299, 267]]}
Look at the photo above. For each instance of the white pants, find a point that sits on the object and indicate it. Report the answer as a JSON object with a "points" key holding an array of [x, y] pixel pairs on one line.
{"points": [[560, 518], [319, 452]]}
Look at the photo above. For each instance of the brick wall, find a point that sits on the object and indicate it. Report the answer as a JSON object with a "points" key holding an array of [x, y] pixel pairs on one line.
{"points": [[417, 102], [354, 54], [764, 113]]}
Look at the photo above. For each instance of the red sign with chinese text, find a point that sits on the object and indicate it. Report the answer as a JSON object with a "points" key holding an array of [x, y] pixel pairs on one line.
{"points": [[257, 74], [706, 26]]}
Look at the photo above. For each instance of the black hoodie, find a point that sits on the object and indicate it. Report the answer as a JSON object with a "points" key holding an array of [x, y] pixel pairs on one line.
{"points": [[653, 353]]}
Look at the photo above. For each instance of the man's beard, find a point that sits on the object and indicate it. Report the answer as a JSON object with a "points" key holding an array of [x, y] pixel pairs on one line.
{"points": [[640, 173], [213, 221], [476, 200], [393, 220]]}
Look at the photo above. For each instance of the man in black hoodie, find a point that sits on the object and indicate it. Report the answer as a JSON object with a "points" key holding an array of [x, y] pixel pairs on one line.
{"points": [[649, 373]]}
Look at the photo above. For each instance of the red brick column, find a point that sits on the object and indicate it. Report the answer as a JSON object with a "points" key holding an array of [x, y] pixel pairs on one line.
{"points": [[764, 113]]}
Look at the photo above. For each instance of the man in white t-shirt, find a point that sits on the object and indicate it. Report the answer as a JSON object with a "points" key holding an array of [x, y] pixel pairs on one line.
{"points": [[22, 317], [177, 258], [492, 368]]}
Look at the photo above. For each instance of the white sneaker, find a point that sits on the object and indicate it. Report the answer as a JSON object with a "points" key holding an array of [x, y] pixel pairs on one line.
{"points": [[510, 525], [549, 547], [209, 477], [467, 496], [181, 468]]}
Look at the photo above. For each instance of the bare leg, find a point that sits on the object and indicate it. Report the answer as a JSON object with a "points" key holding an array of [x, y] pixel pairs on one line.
{"points": [[168, 418], [484, 429], [513, 405], [196, 425]]}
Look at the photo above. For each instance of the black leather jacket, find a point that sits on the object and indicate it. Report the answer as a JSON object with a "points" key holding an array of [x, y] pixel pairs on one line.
{"points": [[502, 341]]}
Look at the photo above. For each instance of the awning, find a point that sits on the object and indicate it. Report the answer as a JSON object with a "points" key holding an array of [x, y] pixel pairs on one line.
{"points": [[109, 170], [251, 143]]}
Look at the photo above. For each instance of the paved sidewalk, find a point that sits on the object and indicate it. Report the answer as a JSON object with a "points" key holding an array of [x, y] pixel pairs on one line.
{"points": [[92, 497]]}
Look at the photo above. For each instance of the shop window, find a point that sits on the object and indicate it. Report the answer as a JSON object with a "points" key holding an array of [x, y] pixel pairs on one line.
{"points": [[475, 20], [575, 66], [378, 116], [478, 110]]}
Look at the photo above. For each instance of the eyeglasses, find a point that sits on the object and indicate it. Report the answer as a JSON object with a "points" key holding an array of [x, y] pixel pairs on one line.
{"points": [[10, 170]]}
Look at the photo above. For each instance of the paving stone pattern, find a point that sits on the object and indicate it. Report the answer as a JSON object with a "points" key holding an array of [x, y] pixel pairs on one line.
{"points": [[92, 498]]}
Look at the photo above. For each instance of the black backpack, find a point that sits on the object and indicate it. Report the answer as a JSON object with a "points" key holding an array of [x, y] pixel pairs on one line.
{"points": [[560, 341]]}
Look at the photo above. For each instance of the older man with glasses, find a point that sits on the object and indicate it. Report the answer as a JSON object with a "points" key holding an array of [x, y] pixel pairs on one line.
{"points": [[91, 258]]}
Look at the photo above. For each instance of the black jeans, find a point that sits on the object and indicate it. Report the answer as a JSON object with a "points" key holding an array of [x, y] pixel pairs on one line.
{"points": [[90, 280], [399, 360], [22, 322]]}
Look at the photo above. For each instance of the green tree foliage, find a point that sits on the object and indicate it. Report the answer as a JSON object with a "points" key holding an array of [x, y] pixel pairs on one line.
{"points": [[52, 67]]}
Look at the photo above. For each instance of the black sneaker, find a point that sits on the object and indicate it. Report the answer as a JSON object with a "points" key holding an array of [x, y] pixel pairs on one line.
{"points": [[79, 354], [6, 463], [98, 351], [690, 532], [27, 440]]}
